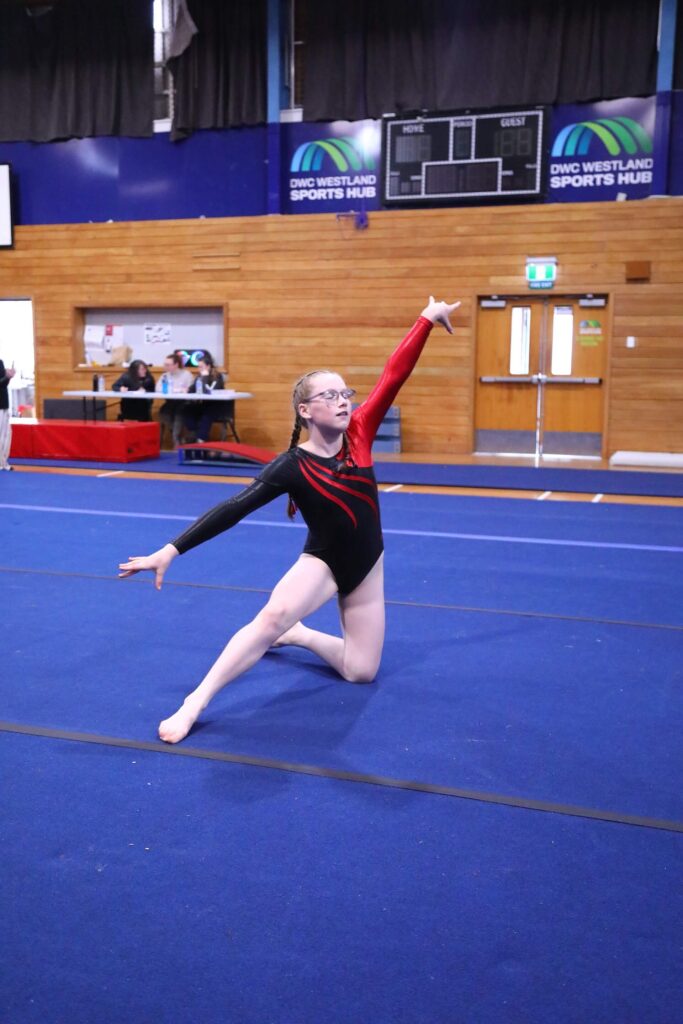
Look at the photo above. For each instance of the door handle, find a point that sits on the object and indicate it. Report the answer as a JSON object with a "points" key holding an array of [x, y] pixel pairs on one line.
{"points": [[507, 380], [575, 380]]}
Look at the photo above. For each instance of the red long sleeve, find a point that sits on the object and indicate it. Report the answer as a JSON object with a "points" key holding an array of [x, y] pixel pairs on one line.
{"points": [[368, 416]]}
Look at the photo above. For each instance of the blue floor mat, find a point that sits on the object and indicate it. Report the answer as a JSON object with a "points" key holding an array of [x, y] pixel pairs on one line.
{"points": [[416, 512], [151, 888], [560, 558], [593, 481], [579, 713]]}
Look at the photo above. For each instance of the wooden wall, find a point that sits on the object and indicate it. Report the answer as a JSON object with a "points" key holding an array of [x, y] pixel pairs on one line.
{"points": [[309, 291]]}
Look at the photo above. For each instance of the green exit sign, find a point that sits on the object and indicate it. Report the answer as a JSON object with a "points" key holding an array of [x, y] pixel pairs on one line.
{"points": [[541, 273]]}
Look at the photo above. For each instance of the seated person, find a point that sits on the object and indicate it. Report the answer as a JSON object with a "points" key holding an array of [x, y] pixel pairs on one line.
{"points": [[136, 378], [199, 416], [174, 380]]}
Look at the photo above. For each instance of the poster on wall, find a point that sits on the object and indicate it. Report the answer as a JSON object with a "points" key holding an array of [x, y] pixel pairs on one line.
{"points": [[6, 228], [157, 334], [602, 151], [590, 333], [331, 167]]}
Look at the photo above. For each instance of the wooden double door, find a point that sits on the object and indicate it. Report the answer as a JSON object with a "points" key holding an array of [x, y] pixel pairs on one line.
{"points": [[540, 375]]}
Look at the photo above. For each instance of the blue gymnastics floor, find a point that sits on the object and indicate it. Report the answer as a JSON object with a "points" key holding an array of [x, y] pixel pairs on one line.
{"points": [[152, 888], [542, 478], [533, 658]]}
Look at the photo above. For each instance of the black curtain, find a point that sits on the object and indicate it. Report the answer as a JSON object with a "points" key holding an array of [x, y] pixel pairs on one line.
{"points": [[76, 68], [221, 78], [678, 54], [363, 59]]}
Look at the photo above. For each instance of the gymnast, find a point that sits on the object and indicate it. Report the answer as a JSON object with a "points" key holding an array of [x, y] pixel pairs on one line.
{"points": [[331, 479]]}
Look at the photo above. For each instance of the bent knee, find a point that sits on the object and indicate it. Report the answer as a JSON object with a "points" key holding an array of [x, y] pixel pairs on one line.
{"points": [[360, 675]]}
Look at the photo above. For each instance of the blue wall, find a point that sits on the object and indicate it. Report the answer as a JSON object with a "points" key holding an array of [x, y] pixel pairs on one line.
{"points": [[211, 174], [676, 152]]}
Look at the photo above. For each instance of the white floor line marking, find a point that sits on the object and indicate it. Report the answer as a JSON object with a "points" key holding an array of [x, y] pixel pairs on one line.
{"points": [[394, 487], [596, 498], [113, 472], [436, 534], [542, 497]]}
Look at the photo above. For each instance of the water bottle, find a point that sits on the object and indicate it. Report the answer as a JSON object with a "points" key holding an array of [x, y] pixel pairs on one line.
{"points": [[164, 385], [100, 383], [95, 382], [199, 388]]}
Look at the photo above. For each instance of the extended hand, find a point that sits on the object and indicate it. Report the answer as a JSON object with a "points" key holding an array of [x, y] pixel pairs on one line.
{"points": [[439, 312], [157, 563]]}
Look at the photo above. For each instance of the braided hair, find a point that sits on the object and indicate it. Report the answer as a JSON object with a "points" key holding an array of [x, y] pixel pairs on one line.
{"points": [[299, 395]]}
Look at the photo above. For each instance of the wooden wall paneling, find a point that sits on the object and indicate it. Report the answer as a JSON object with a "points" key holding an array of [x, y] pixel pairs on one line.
{"points": [[304, 290]]}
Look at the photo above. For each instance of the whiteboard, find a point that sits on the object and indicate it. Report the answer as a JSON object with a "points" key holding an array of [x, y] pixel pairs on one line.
{"points": [[6, 237], [154, 332]]}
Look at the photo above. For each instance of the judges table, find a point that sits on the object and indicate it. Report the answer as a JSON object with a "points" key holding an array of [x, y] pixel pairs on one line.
{"points": [[147, 396], [227, 397], [100, 440]]}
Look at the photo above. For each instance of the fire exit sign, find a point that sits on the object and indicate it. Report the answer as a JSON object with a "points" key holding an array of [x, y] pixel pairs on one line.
{"points": [[541, 272]]}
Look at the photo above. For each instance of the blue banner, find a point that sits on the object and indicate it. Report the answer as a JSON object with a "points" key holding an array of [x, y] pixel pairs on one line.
{"points": [[676, 156], [602, 150], [211, 174], [331, 167]]}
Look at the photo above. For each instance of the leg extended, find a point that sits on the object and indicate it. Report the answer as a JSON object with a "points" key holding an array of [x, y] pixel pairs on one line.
{"points": [[307, 586]]}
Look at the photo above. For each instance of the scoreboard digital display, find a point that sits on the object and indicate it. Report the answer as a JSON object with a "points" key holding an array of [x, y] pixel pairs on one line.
{"points": [[447, 157]]}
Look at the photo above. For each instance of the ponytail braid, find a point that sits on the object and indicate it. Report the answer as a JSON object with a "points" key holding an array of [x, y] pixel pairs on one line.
{"points": [[296, 433], [299, 395]]}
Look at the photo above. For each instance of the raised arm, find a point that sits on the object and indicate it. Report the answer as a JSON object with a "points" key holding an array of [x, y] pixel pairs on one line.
{"points": [[400, 365]]}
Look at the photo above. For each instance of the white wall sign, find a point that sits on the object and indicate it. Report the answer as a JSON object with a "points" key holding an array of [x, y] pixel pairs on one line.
{"points": [[6, 236]]}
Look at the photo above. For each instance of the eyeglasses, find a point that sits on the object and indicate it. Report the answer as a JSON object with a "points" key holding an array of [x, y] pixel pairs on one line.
{"points": [[331, 396]]}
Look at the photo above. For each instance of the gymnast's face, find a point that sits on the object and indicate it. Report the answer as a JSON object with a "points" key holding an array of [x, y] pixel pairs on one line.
{"points": [[322, 408]]}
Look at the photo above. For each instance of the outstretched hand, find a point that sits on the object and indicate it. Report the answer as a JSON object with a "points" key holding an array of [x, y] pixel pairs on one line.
{"points": [[157, 563], [439, 312]]}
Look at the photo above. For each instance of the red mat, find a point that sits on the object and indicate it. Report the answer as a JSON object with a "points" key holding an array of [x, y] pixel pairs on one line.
{"points": [[73, 439]]}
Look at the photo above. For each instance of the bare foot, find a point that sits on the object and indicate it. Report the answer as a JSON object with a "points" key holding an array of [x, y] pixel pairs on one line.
{"points": [[176, 728], [292, 637]]}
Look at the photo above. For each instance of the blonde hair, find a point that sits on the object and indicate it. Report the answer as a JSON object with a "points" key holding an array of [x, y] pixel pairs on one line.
{"points": [[299, 395]]}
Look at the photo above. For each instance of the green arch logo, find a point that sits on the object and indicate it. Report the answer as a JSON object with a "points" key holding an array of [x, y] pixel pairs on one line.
{"points": [[344, 152], [617, 134]]}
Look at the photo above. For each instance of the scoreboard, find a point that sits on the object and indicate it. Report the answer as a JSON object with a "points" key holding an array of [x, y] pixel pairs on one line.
{"points": [[447, 157]]}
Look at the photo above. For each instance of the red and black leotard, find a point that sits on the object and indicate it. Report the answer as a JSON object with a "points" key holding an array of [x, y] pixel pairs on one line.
{"points": [[338, 500]]}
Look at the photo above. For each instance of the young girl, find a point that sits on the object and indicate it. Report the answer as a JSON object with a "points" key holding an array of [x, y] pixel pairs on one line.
{"points": [[330, 478]]}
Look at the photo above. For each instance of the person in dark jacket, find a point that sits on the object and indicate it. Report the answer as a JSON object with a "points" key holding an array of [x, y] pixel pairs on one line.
{"points": [[200, 416], [5, 428], [136, 378]]}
